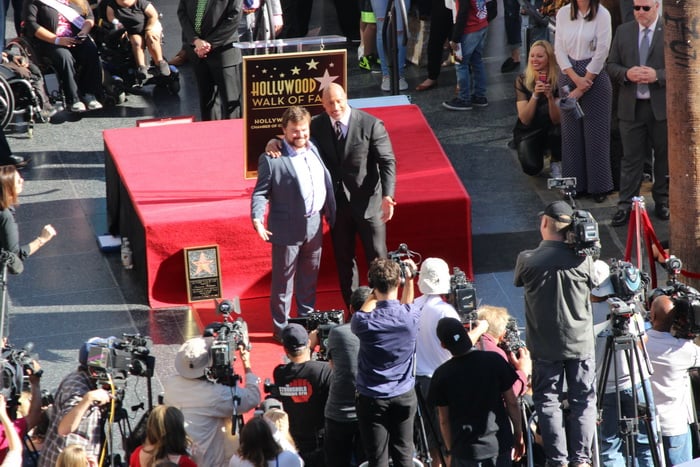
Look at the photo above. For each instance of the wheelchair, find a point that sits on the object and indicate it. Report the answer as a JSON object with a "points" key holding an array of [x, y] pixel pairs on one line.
{"points": [[20, 96], [119, 63]]}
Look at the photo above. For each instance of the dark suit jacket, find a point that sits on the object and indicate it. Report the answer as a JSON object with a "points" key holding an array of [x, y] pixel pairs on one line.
{"points": [[624, 54], [277, 184], [219, 24], [365, 168], [38, 14]]}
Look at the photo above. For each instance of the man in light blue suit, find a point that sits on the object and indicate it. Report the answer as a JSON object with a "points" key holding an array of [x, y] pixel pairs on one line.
{"points": [[298, 188]]}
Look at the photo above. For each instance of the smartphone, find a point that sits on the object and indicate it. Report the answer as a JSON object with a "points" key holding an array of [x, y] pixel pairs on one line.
{"points": [[542, 78], [80, 37]]}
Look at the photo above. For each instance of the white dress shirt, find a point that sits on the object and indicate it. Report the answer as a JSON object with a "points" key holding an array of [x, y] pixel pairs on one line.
{"points": [[581, 39]]}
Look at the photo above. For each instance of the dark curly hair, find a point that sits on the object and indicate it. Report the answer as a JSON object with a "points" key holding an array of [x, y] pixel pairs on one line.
{"points": [[384, 274]]}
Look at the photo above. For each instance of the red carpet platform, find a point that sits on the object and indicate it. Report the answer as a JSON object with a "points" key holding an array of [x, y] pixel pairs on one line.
{"points": [[178, 186]]}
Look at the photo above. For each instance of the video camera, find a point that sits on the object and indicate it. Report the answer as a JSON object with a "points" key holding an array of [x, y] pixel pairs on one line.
{"points": [[686, 302], [630, 287], [583, 233], [228, 336], [511, 341], [401, 254], [463, 297], [323, 321], [16, 363], [115, 359]]}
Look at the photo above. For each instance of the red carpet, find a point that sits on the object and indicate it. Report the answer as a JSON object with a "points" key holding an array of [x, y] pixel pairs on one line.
{"points": [[185, 185]]}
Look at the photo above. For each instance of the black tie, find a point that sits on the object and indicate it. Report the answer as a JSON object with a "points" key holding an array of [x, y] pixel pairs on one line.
{"points": [[338, 131]]}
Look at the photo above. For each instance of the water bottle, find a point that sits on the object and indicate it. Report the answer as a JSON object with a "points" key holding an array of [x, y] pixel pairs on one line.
{"points": [[127, 255]]}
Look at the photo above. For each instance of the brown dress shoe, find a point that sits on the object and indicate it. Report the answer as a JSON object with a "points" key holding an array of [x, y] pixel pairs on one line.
{"points": [[179, 59]]}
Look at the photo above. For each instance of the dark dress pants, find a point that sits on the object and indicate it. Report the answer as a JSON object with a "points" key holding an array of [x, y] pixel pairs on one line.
{"points": [[386, 427], [218, 84], [296, 15], [77, 68], [347, 226], [342, 444], [636, 136], [440, 30]]}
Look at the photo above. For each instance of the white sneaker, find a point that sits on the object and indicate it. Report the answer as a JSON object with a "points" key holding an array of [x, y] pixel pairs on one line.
{"points": [[77, 106], [92, 102], [403, 84], [386, 84], [555, 169]]}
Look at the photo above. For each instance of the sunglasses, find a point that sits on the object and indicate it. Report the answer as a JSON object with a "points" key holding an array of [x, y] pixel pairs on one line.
{"points": [[639, 7]]}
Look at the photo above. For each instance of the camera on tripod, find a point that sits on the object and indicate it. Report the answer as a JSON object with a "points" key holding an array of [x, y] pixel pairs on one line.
{"points": [[114, 359], [401, 254], [462, 297], [323, 322], [686, 302], [228, 336]]}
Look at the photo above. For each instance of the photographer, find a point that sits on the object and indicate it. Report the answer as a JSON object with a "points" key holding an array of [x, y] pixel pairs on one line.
{"points": [[492, 340], [303, 386], [77, 416], [434, 284], [207, 405], [22, 425], [343, 441], [612, 444], [474, 420], [386, 401], [670, 382], [559, 329]]}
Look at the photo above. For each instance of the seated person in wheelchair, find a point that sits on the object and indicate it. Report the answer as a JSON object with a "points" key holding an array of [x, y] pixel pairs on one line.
{"points": [[140, 21], [59, 31], [18, 66]]}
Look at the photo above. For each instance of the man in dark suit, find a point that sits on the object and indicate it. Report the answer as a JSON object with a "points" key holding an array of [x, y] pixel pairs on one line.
{"points": [[358, 153], [298, 188], [636, 62], [209, 29]]}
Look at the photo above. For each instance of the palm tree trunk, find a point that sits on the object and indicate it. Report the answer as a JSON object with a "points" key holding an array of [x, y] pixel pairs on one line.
{"points": [[681, 20]]}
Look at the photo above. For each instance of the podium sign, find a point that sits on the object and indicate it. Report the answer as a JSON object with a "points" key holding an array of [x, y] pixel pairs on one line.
{"points": [[203, 270], [275, 82]]}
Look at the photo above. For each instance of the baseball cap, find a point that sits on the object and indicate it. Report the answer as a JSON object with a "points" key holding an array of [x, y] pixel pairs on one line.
{"points": [[192, 360], [434, 277], [294, 337], [453, 336], [559, 210]]}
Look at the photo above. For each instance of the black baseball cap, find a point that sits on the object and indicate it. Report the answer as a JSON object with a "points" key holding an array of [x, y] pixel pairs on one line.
{"points": [[559, 211], [453, 336], [294, 337]]}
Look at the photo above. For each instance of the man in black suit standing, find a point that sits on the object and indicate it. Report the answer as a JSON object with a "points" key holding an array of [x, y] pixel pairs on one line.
{"points": [[298, 189], [209, 29], [358, 153], [636, 62]]}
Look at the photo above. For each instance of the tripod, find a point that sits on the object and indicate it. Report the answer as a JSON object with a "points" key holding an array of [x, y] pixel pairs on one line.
{"points": [[423, 447], [628, 345]]}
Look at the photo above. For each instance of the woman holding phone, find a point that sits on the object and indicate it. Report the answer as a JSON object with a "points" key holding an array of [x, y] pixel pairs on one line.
{"points": [[537, 131], [59, 30]]}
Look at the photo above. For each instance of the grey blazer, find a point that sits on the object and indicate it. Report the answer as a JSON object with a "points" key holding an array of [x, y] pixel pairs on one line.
{"points": [[277, 185], [624, 54]]}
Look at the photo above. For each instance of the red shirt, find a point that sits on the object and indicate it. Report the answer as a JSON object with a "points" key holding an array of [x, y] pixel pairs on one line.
{"points": [[134, 461], [477, 15]]}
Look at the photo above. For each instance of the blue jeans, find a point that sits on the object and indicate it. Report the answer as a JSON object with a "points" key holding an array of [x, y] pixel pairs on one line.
{"points": [[379, 7], [612, 449], [565, 441], [472, 56], [678, 449]]}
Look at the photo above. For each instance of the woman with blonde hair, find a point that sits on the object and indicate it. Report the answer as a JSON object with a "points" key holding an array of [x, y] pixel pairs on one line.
{"points": [[165, 440], [75, 456], [279, 421], [537, 130]]}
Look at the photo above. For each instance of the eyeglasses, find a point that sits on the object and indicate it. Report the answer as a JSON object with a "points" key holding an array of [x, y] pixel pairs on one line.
{"points": [[639, 7]]}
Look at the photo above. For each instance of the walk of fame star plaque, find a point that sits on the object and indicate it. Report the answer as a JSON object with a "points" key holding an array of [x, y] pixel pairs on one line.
{"points": [[203, 273]]}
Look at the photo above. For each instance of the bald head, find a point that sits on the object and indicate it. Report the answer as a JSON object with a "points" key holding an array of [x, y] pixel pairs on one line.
{"points": [[662, 313], [335, 101]]}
